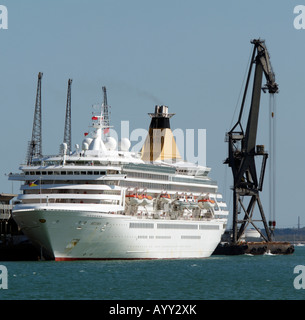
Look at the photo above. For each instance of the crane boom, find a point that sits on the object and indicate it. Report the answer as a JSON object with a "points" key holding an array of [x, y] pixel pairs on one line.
{"points": [[262, 66]]}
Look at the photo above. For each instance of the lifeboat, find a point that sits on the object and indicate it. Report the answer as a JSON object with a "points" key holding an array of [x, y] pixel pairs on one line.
{"points": [[205, 202], [165, 197], [136, 199], [133, 199], [146, 200], [191, 201], [185, 201]]}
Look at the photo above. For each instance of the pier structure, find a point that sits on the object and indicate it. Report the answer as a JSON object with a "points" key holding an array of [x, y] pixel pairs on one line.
{"points": [[14, 245]]}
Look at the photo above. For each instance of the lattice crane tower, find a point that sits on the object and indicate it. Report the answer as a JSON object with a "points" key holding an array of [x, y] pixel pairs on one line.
{"points": [[35, 145]]}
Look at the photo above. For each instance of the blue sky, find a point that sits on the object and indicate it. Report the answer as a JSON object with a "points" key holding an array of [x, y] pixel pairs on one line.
{"points": [[190, 55]]}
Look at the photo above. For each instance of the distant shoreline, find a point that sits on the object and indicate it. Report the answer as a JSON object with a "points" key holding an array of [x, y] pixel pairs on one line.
{"points": [[293, 235]]}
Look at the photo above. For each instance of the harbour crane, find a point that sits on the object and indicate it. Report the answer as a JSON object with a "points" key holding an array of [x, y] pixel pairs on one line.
{"points": [[67, 131], [242, 149], [105, 111], [35, 145]]}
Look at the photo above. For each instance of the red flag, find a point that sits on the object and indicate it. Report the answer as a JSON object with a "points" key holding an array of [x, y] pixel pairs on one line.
{"points": [[86, 133], [94, 118]]}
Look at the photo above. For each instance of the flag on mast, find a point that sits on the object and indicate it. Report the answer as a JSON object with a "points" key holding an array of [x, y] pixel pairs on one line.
{"points": [[33, 184]]}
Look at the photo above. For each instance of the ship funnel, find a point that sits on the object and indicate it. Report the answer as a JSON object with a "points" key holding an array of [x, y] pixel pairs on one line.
{"points": [[160, 144]]}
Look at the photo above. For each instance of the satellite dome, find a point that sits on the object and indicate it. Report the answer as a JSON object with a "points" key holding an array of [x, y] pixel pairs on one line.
{"points": [[86, 143], [124, 144], [110, 144], [64, 146], [85, 146]]}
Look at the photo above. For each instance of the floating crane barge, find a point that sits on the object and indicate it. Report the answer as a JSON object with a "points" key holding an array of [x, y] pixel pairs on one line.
{"points": [[242, 152]]}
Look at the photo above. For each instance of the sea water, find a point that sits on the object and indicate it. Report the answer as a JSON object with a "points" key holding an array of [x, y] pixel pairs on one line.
{"points": [[243, 277]]}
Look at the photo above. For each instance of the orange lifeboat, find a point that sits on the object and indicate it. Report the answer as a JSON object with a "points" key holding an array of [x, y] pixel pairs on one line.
{"points": [[133, 199], [165, 197], [146, 200], [205, 202]]}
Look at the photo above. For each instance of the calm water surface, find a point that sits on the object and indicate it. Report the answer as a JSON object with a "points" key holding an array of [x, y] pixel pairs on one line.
{"points": [[216, 278]]}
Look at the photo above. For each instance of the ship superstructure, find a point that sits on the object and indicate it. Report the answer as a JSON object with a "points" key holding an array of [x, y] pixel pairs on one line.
{"points": [[103, 201]]}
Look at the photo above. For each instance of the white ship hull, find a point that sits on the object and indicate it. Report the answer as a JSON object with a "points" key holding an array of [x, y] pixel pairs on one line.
{"points": [[103, 203], [77, 235]]}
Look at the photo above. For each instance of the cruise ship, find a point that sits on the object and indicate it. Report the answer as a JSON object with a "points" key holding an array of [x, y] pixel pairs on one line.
{"points": [[103, 201]]}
